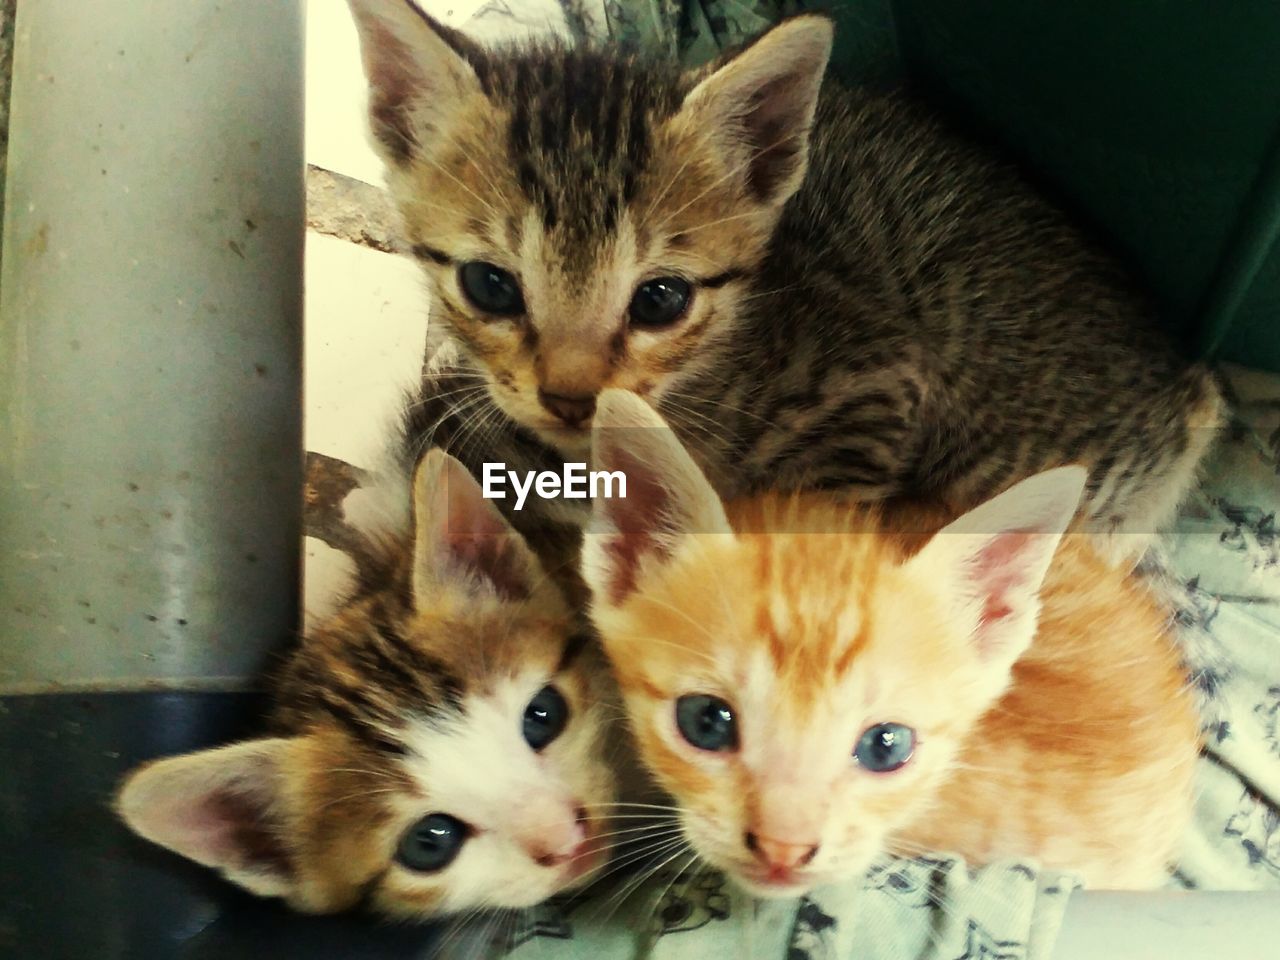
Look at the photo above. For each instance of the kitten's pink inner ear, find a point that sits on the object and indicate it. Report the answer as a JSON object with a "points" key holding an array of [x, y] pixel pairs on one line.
{"points": [[1000, 569], [461, 531], [230, 829], [216, 807], [1002, 575], [667, 495], [415, 69], [779, 141], [997, 556], [394, 80], [495, 558], [764, 98], [634, 520]]}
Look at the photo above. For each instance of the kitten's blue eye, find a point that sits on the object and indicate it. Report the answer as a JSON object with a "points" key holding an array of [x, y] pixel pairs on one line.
{"points": [[545, 717], [885, 747], [432, 843], [491, 289], [707, 722], [659, 302]]}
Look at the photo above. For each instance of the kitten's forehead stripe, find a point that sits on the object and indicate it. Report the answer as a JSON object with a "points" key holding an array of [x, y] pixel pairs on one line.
{"points": [[573, 647], [424, 252], [720, 279], [423, 667], [366, 677], [359, 724], [580, 133]]}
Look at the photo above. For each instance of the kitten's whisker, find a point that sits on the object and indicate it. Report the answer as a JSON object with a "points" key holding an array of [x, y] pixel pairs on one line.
{"points": [[362, 771], [631, 857], [467, 433], [480, 429], [676, 876], [716, 223], [629, 885], [679, 646], [460, 409], [723, 405], [619, 898], [488, 181], [707, 426], [468, 390], [662, 194], [642, 832], [361, 794], [733, 171], [646, 806], [772, 293], [457, 928], [489, 208]]}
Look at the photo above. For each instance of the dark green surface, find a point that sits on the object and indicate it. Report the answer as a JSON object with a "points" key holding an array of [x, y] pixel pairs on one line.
{"points": [[76, 885], [1157, 122], [866, 49]]}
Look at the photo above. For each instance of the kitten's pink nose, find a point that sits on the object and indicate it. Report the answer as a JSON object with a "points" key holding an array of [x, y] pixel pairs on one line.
{"points": [[572, 410], [562, 844], [554, 858], [779, 855]]}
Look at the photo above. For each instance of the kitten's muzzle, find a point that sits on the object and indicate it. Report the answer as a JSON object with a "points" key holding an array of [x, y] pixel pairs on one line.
{"points": [[778, 856], [573, 411], [562, 844]]}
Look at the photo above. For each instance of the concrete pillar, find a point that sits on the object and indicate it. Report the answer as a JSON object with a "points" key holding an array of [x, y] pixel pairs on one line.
{"points": [[150, 343]]}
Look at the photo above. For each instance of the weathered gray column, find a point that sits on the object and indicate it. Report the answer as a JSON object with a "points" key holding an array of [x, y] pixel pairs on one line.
{"points": [[150, 343]]}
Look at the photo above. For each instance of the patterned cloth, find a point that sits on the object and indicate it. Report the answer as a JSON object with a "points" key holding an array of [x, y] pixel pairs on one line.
{"points": [[930, 909], [694, 31], [1226, 554]]}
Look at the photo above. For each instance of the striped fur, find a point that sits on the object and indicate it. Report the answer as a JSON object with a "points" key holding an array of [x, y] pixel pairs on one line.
{"points": [[910, 320], [1053, 719], [408, 701]]}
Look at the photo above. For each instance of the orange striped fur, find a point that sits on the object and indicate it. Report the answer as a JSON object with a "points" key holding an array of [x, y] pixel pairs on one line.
{"points": [[1074, 745]]}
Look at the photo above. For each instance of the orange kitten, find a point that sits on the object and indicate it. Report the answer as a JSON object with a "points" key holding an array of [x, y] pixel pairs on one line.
{"points": [[814, 691]]}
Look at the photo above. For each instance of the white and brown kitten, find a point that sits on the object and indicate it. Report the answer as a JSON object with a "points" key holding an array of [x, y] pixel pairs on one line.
{"points": [[820, 287], [817, 684], [439, 744]]}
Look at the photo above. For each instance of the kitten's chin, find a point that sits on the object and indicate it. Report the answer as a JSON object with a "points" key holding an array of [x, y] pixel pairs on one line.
{"points": [[760, 884]]}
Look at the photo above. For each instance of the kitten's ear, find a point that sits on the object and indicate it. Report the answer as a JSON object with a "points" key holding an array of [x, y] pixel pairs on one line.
{"points": [[759, 103], [220, 808], [460, 538], [667, 495], [993, 560], [417, 69]]}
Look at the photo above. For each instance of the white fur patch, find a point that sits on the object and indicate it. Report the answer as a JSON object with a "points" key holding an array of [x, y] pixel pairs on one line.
{"points": [[478, 768]]}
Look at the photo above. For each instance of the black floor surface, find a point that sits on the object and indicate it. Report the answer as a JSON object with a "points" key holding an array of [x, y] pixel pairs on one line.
{"points": [[76, 885]]}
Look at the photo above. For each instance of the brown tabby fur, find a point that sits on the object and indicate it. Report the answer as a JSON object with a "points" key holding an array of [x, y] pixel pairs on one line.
{"points": [[879, 306]]}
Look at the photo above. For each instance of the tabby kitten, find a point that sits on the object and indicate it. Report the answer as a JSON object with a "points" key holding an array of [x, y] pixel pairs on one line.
{"points": [[815, 689], [439, 742], [819, 290]]}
